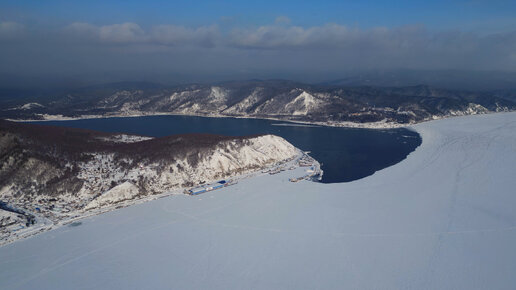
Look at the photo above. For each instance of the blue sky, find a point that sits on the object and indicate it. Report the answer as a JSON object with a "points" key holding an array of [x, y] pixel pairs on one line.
{"points": [[437, 14], [213, 40]]}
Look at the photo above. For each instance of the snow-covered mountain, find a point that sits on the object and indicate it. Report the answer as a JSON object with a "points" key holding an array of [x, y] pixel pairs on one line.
{"points": [[329, 104], [58, 172]]}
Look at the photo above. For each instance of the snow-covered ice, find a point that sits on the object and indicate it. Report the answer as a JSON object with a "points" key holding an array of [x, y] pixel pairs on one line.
{"points": [[444, 218]]}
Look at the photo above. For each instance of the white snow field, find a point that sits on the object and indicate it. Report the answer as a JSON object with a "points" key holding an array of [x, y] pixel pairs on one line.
{"points": [[444, 218]]}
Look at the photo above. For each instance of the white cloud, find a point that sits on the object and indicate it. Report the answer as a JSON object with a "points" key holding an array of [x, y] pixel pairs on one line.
{"points": [[11, 29], [329, 36], [274, 47], [82, 30], [398, 44], [132, 33], [282, 20], [179, 35], [122, 33]]}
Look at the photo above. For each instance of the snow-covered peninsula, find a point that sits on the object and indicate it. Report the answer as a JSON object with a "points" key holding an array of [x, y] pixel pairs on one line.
{"points": [[444, 218], [53, 175]]}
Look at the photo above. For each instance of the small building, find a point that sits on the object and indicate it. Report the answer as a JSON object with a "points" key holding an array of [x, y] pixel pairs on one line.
{"points": [[209, 187], [195, 191]]}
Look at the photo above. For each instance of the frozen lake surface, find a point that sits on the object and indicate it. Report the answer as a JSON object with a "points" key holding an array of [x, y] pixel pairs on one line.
{"points": [[444, 218]]}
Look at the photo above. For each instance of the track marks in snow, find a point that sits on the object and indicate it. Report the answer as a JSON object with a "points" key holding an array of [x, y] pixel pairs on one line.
{"points": [[473, 148], [93, 251], [199, 218]]}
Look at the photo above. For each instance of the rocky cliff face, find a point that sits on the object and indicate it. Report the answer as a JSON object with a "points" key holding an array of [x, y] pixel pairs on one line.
{"points": [[274, 99], [61, 171]]}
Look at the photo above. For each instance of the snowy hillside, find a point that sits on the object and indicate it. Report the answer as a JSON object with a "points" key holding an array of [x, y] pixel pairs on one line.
{"points": [[58, 173], [444, 218], [321, 104]]}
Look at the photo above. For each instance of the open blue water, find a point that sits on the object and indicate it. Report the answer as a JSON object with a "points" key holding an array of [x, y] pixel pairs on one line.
{"points": [[345, 154]]}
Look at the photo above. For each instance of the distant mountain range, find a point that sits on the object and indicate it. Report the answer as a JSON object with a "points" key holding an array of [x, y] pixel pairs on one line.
{"points": [[446, 79], [330, 103]]}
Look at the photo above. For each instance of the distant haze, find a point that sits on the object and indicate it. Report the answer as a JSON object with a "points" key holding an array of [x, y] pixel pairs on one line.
{"points": [[448, 43]]}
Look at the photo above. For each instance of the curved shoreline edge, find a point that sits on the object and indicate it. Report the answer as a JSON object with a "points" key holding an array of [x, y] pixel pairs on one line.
{"points": [[444, 217], [376, 125]]}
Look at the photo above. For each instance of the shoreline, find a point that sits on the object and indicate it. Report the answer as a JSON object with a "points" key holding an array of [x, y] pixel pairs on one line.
{"points": [[352, 125], [47, 225]]}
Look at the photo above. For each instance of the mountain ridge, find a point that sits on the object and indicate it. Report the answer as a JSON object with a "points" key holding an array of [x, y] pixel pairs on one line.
{"points": [[278, 99]]}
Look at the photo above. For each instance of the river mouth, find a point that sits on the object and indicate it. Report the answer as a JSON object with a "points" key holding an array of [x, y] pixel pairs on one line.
{"points": [[345, 154]]}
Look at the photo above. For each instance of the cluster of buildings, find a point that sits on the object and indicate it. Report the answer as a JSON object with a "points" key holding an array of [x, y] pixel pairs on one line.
{"points": [[209, 187], [305, 161], [312, 173]]}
